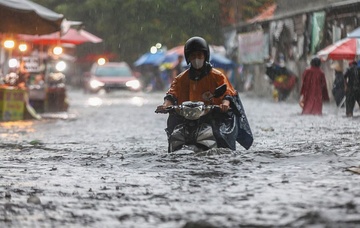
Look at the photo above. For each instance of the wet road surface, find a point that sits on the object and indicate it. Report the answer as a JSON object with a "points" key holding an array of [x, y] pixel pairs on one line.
{"points": [[104, 164]]}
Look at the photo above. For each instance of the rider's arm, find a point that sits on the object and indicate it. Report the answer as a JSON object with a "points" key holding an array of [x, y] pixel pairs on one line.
{"points": [[224, 106], [167, 103], [221, 79]]}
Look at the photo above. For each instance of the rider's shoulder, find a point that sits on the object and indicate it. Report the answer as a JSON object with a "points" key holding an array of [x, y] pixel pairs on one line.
{"points": [[182, 74], [217, 72]]}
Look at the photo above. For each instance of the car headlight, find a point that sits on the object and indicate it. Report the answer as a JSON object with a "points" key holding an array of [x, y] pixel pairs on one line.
{"points": [[95, 84], [134, 84]]}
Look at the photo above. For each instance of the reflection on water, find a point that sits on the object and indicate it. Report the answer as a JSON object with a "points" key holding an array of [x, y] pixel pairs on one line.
{"points": [[115, 157], [94, 101], [113, 100], [138, 101], [13, 128], [18, 125]]}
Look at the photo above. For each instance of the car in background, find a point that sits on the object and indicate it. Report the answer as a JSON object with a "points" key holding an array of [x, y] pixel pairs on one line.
{"points": [[111, 76]]}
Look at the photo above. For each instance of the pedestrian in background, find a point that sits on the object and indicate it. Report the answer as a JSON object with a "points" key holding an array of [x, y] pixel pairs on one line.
{"points": [[177, 69], [313, 90], [352, 88], [338, 89], [23, 74]]}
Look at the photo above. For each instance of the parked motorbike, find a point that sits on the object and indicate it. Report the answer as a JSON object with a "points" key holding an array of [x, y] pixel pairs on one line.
{"points": [[195, 130]]}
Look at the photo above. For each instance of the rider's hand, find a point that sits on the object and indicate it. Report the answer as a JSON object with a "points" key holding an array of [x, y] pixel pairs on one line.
{"points": [[225, 105], [162, 108]]}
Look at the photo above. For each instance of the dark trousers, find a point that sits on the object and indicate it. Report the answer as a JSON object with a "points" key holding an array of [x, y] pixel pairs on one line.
{"points": [[352, 96]]}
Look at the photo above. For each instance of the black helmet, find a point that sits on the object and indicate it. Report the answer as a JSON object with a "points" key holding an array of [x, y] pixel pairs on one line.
{"points": [[196, 43]]}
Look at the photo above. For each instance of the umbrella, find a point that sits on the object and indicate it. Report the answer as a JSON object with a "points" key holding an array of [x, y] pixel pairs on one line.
{"points": [[220, 61], [354, 34], [347, 48], [171, 57], [26, 17], [73, 36], [90, 37], [179, 50], [150, 59]]}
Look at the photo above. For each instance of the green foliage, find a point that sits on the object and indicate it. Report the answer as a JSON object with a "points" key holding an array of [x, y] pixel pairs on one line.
{"points": [[251, 8], [130, 27]]}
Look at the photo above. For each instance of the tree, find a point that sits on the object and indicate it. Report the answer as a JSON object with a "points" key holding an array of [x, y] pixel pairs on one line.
{"points": [[130, 27], [235, 11]]}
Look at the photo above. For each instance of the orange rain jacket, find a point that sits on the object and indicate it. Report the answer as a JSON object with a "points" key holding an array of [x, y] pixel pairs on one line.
{"points": [[184, 89]]}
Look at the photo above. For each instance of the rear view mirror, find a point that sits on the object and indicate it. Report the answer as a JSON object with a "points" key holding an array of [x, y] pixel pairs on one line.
{"points": [[219, 91]]}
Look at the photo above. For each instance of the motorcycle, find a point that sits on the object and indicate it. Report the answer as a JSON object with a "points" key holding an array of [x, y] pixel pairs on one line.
{"points": [[194, 124]]}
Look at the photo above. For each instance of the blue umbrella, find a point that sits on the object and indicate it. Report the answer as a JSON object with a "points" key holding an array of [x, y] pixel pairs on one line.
{"points": [[219, 61], [171, 58], [150, 59]]}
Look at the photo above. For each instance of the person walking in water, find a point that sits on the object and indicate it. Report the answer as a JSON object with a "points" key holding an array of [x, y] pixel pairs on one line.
{"points": [[338, 89], [313, 90], [352, 88]]}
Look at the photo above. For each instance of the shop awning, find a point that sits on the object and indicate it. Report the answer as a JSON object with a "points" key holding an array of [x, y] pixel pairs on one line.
{"points": [[26, 17]]}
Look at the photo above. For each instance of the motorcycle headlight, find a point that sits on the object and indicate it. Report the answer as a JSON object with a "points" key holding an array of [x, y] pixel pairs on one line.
{"points": [[192, 113], [95, 84], [134, 84]]}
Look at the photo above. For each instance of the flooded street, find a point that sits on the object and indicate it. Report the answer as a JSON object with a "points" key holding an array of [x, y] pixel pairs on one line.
{"points": [[106, 165]]}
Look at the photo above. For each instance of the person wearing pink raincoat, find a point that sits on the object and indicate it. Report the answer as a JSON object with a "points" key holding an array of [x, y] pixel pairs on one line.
{"points": [[313, 90]]}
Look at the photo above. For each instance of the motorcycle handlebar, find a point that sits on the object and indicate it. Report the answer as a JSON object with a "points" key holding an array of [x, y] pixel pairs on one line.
{"points": [[172, 108], [166, 110]]}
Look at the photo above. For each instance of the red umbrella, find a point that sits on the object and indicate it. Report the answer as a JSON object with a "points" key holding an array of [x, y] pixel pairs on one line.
{"points": [[347, 48], [73, 36]]}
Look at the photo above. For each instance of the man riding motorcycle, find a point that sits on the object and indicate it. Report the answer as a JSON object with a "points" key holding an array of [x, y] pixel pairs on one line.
{"points": [[198, 84]]}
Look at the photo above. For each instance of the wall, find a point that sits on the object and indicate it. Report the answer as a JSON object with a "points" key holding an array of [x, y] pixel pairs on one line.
{"points": [[341, 13]]}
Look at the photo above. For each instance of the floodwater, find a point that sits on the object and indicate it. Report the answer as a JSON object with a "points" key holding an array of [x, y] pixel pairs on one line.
{"points": [[104, 164]]}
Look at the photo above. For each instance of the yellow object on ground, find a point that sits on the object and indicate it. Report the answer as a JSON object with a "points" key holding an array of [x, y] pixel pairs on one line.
{"points": [[11, 104]]}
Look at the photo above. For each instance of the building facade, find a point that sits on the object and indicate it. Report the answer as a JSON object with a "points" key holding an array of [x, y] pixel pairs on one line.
{"points": [[293, 32]]}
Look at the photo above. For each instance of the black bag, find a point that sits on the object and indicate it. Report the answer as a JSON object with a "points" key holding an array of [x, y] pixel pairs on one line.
{"points": [[244, 134]]}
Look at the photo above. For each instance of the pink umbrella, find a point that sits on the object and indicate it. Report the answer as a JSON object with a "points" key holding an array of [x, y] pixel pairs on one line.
{"points": [[73, 36], [171, 56], [179, 50], [347, 48]]}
